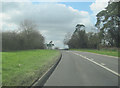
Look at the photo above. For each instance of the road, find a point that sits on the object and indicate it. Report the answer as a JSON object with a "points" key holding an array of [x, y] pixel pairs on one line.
{"points": [[84, 69]]}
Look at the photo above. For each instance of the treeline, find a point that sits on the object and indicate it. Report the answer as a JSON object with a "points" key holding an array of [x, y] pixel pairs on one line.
{"points": [[81, 39], [108, 25], [26, 37]]}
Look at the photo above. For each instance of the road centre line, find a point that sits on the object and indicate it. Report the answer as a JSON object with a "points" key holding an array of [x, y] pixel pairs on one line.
{"points": [[91, 60]]}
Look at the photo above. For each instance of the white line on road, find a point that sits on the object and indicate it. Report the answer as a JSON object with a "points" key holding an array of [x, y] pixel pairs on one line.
{"points": [[102, 64], [98, 64], [92, 59], [100, 54]]}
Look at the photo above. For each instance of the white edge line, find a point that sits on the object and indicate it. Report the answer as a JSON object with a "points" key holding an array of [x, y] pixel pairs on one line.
{"points": [[100, 54], [99, 64], [102, 63]]}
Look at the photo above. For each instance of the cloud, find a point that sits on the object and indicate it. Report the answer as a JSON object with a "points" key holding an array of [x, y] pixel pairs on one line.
{"points": [[54, 20], [98, 6]]}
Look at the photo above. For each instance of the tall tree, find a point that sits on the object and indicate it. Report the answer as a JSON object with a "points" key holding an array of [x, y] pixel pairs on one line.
{"points": [[79, 37], [79, 27], [108, 22]]}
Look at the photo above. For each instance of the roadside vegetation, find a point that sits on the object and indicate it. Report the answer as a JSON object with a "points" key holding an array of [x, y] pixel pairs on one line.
{"points": [[102, 51], [22, 68], [106, 34], [26, 37], [25, 56]]}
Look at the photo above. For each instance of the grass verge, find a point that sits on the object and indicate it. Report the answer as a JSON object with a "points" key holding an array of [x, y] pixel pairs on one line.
{"points": [[22, 68], [103, 52]]}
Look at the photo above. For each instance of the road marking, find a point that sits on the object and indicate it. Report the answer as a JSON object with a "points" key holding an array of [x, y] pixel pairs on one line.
{"points": [[98, 64], [101, 54], [102, 64], [92, 59]]}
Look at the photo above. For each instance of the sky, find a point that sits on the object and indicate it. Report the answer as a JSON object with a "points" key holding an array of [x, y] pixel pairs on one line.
{"points": [[54, 19]]}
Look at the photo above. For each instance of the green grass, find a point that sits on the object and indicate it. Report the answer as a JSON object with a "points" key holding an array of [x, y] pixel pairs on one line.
{"points": [[22, 68], [104, 52]]}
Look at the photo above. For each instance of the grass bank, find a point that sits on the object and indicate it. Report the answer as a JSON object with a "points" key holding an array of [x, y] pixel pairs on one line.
{"points": [[104, 52], [22, 68]]}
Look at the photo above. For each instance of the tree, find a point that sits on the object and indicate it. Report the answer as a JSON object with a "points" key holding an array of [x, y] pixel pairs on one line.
{"points": [[79, 27], [26, 37], [10, 41], [67, 38], [79, 37], [108, 22], [93, 40], [29, 35]]}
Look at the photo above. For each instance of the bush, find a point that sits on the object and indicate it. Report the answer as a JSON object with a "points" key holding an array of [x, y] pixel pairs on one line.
{"points": [[26, 37]]}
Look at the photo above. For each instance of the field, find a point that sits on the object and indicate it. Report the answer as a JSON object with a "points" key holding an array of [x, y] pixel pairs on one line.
{"points": [[22, 68], [104, 52]]}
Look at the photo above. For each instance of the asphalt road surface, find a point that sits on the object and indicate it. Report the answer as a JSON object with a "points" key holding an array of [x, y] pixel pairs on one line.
{"points": [[84, 69]]}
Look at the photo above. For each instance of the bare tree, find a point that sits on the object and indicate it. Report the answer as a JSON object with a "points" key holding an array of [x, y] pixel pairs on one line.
{"points": [[26, 37], [30, 36], [67, 38]]}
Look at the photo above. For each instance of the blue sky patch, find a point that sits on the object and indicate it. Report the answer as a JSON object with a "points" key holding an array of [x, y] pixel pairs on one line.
{"points": [[81, 6]]}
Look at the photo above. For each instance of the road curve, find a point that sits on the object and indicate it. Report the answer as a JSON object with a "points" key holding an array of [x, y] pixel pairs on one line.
{"points": [[75, 70]]}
